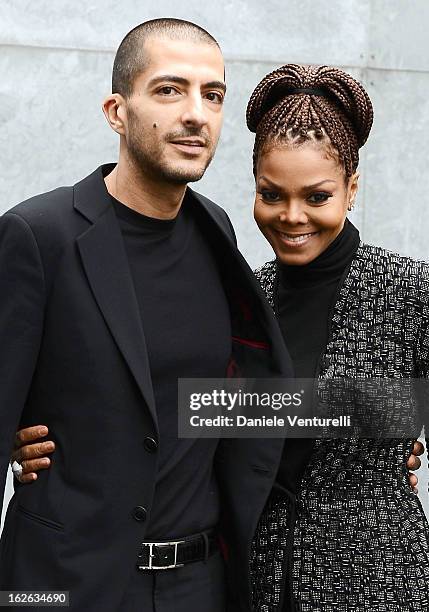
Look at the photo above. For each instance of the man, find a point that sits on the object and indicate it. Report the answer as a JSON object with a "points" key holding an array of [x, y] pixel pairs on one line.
{"points": [[111, 291]]}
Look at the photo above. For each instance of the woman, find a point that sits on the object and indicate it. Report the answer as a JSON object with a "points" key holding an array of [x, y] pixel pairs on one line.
{"points": [[342, 530]]}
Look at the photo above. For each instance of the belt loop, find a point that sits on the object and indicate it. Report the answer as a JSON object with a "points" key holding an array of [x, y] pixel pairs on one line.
{"points": [[206, 546]]}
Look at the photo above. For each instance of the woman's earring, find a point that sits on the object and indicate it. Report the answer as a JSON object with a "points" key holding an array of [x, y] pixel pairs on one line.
{"points": [[351, 205]]}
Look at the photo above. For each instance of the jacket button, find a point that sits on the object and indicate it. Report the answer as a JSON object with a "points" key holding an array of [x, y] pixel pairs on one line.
{"points": [[150, 445], [139, 513]]}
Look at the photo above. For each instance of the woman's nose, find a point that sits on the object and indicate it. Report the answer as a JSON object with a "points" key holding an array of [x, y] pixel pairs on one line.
{"points": [[293, 214]]}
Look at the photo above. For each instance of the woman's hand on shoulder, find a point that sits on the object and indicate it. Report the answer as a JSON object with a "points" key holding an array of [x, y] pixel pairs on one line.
{"points": [[414, 463]]}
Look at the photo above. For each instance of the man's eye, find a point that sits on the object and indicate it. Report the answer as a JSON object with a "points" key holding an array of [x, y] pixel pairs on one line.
{"points": [[320, 197], [269, 196], [214, 96], [167, 90]]}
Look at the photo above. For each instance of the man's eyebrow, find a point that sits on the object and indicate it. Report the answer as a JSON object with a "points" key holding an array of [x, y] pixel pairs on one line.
{"points": [[216, 85], [172, 78]]}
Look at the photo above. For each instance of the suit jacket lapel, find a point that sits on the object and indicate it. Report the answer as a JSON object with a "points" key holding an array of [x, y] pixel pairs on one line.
{"points": [[106, 265], [243, 282]]}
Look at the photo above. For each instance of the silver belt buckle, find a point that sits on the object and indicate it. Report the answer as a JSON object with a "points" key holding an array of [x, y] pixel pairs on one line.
{"points": [[151, 565]]}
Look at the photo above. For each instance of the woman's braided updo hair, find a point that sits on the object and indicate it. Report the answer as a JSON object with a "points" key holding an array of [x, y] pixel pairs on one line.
{"points": [[296, 104]]}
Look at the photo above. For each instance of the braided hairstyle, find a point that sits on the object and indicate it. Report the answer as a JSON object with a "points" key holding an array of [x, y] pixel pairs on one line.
{"points": [[296, 104]]}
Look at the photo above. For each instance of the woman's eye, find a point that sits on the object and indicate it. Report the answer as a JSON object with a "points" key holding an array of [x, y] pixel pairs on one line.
{"points": [[269, 196], [319, 198], [214, 96]]}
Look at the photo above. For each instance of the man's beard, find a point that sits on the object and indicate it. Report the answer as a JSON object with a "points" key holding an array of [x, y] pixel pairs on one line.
{"points": [[149, 158]]}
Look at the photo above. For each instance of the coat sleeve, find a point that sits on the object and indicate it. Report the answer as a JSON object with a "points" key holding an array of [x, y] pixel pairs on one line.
{"points": [[423, 372], [22, 298], [422, 348]]}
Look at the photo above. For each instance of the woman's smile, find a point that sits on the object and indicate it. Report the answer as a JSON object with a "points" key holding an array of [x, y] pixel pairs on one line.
{"points": [[294, 240]]}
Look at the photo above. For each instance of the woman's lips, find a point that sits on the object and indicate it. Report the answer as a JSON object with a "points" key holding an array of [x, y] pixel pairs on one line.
{"points": [[296, 240]]}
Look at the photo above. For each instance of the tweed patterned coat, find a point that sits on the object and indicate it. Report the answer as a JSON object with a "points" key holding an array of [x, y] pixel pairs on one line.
{"points": [[355, 538]]}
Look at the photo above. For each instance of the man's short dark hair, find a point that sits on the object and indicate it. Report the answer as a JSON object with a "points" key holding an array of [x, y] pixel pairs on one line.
{"points": [[131, 60]]}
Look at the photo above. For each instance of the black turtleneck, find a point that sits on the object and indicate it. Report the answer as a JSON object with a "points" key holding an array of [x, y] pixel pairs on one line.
{"points": [[186, 323], [304, 296]]}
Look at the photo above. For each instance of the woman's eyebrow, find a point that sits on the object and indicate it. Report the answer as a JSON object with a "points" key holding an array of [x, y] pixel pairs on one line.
{"points": [[315, 185], [267, 180], [306, 187]]}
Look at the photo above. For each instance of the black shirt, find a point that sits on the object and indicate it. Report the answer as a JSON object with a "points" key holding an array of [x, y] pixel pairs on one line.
{"points": [[186, 322], [304, 297]]}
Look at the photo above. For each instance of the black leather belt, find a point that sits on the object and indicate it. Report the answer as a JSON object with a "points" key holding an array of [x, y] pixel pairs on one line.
{"points": [[176, 553]]}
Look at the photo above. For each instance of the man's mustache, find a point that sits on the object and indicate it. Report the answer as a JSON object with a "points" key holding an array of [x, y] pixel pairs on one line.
{"points": [[196, 133]]}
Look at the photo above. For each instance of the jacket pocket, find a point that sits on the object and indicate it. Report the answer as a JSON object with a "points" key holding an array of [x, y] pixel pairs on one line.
{"points": [[41, 520]]}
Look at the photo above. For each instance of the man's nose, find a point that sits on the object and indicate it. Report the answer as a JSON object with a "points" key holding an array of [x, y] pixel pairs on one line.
{"points": [[194, 114]]}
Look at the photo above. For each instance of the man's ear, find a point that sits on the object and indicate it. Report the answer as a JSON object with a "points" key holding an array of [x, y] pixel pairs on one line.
{"points": [[115, 110]]}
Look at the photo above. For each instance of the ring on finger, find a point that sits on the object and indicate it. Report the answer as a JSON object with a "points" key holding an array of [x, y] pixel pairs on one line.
{"points": [[16, 469]]}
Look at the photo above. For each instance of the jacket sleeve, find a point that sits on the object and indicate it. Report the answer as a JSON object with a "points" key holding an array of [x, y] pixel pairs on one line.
{"points": [[22, 298], [422, 348], [423, 372]]}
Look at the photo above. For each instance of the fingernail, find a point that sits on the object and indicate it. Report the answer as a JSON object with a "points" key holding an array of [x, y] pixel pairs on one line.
{"points": [[49, 446], [43, 431], [46, 461]]}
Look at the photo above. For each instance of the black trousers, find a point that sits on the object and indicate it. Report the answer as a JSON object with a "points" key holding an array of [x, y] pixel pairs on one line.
{"points": [[195, 587]]}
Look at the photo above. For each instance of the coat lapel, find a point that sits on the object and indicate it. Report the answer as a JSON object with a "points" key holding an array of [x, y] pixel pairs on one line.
{"points": [[245, 292], [106, 265]]}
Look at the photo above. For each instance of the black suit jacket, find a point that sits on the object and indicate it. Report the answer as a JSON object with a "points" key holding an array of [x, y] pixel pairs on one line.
{"points": [[73, 357]]}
